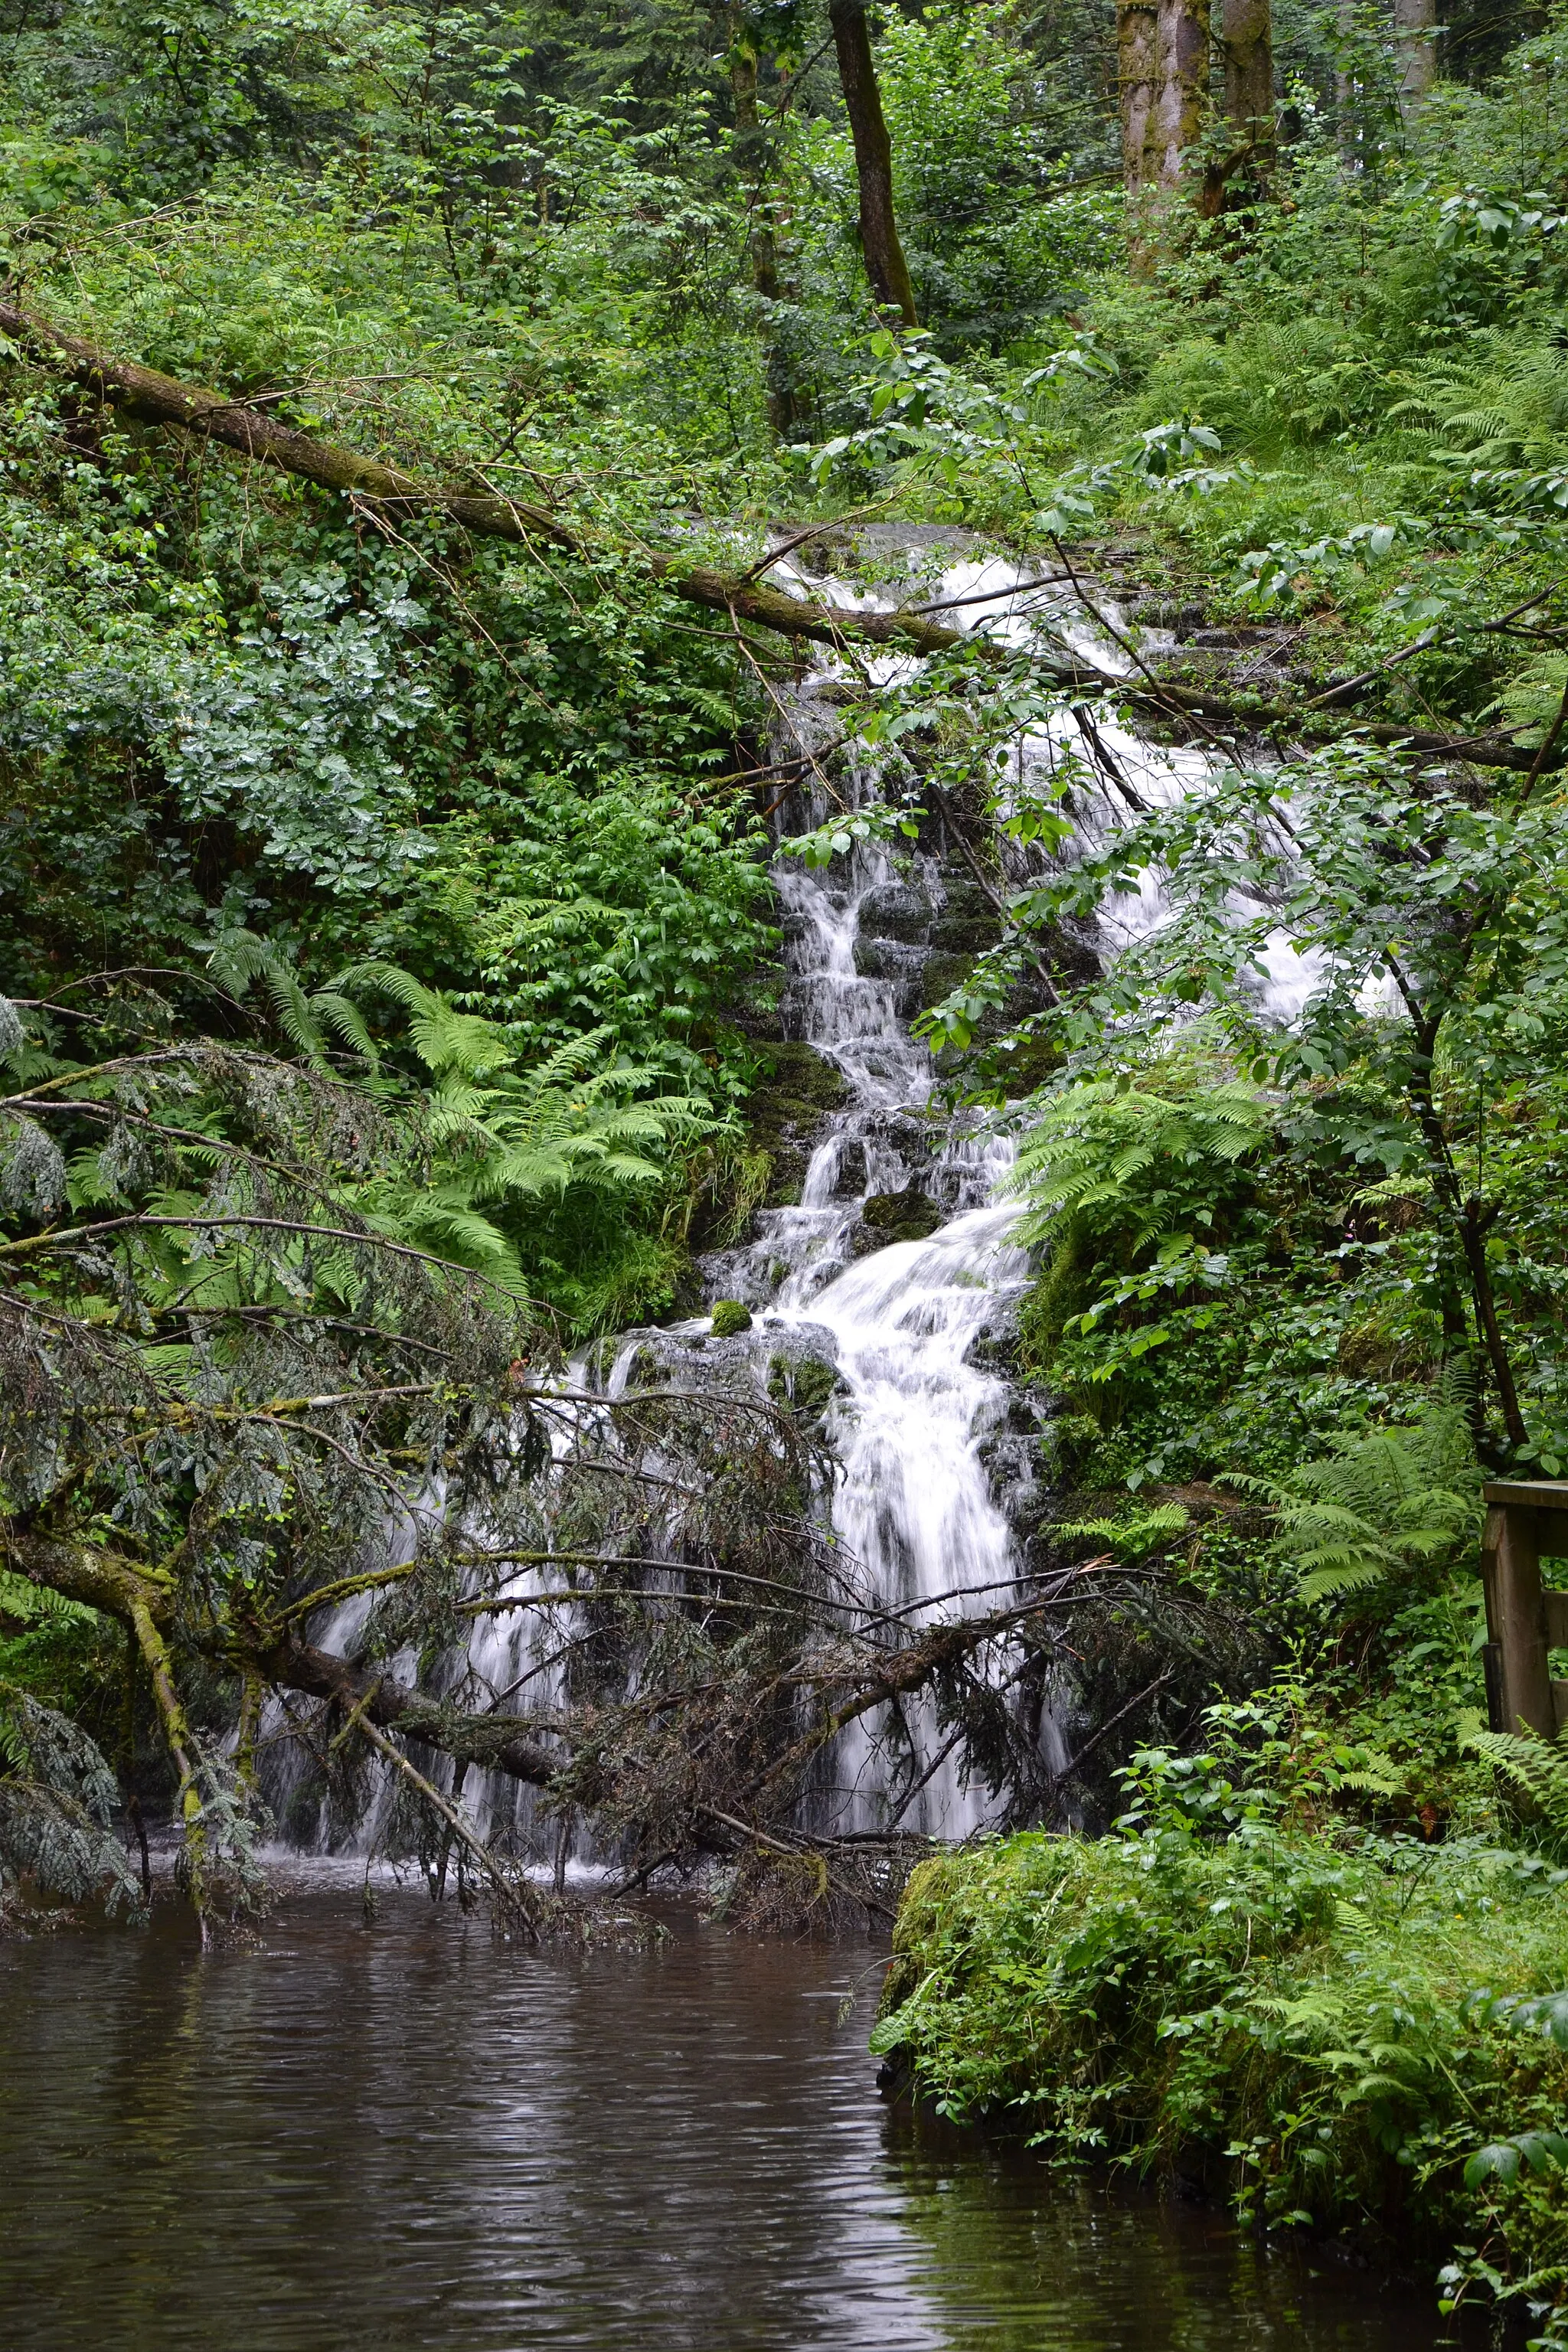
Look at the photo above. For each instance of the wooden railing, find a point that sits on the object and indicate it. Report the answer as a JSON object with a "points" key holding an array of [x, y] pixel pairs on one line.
{"points": [[1527, 1519]]}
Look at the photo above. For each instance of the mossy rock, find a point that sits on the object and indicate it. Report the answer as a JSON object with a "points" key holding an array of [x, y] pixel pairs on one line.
{"points": [[801, 1073], [907, 1216], [731, 1317], [787, 1107], [806, 1384], [1030, 1064], [968, 923], [943, 973]]}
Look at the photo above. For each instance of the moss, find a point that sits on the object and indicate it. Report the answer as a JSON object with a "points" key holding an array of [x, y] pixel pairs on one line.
{"points": [[943, 973], [806, 1384], [906, 1216], [730, 1319], [797, 1091], [799, 1074]]}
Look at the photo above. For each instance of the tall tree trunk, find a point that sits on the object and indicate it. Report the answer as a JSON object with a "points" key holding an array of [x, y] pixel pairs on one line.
{"points": [[1415, 24], [1247, 49], [885, 264], [1346, 87], [1247, 43], [751, 160], [1162, 71], [1138, 84]]}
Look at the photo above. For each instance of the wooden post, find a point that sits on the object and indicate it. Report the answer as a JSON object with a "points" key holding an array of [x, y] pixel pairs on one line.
{"points": [[1525, 1516]]}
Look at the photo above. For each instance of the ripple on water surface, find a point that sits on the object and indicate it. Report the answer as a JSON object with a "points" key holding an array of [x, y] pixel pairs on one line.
{"points": [[410, 2136]]}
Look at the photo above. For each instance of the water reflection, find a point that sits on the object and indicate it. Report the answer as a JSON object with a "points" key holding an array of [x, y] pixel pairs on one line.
{"points": [[410, 2136]]}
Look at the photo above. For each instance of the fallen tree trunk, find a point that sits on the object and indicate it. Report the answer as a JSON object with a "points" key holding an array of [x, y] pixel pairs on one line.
{"points": [[491, 1741], [158, 399], [124, 1589]]}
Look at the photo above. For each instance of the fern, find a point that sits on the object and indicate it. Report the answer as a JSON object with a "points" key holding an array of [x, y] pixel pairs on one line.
{"points": [[1133, 1537], [1535, 1768], [1510, 406], [57, 1802], [1132, 1156], [1380, 1506], [304, 1020], [24, 1604], [499, 1136]]}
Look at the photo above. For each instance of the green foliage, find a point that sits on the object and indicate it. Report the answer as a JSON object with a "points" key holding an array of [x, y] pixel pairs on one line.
{"points": [[58, 1804], [1307, 2021], [1380, 1507], [490, 1140], [1134, 1161], [1536, 1769]]}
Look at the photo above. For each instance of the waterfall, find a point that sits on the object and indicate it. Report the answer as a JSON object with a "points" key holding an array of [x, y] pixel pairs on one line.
{"points": [[894, 1274], [913, 1506]]}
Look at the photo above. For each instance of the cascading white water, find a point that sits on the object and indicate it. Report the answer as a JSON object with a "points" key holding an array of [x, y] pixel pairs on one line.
{"points": [[913, 1506]]}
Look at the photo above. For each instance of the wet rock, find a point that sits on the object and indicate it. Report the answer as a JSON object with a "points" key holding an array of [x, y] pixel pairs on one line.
{"points": [[894, 959], [851, 1178], [907, 1216], [787, 1112], [896, 912], [1162, 613], [731, 1317]]}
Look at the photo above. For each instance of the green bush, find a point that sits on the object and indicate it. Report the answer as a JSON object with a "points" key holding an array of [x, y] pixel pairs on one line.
{"points": [[1349, 2036]]}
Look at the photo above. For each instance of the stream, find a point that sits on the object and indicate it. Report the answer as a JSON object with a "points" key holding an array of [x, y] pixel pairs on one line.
{"points": [[410, 2135]]}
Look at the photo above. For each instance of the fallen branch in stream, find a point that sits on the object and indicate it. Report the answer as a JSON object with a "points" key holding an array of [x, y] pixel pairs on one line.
{"points": [[157, 399]]}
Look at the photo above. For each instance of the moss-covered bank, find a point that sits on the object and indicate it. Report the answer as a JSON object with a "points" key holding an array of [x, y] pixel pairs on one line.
{"points": [[1347, 2036]]}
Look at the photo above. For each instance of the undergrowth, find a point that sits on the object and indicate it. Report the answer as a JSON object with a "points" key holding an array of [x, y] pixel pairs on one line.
{"points": [[1341, 2032]]}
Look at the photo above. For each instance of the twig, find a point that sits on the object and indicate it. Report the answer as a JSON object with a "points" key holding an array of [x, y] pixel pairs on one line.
{"points": [[506, 1885], [1109, 1725]]}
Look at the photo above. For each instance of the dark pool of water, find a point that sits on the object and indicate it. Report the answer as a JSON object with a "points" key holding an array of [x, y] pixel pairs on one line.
{"points": [[409, 2135]]}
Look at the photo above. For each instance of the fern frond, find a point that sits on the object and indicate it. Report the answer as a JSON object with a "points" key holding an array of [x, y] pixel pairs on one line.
{"points": [[27, 1604], [1144, 1532], [1536, 1768], [1378, 1506]]}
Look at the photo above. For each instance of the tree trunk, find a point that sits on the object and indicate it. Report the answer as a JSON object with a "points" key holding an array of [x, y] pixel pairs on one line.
{"points": [[1138, 84], [1415, 24], [1184, 51], [752, 161], [161, 399], [1347, 89], [885, 264], [1246, 42], [751, 164], [1162, 71]]}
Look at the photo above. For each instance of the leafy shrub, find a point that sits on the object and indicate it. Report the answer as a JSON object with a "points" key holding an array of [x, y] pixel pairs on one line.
{"points": [[1323, 2028]]}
